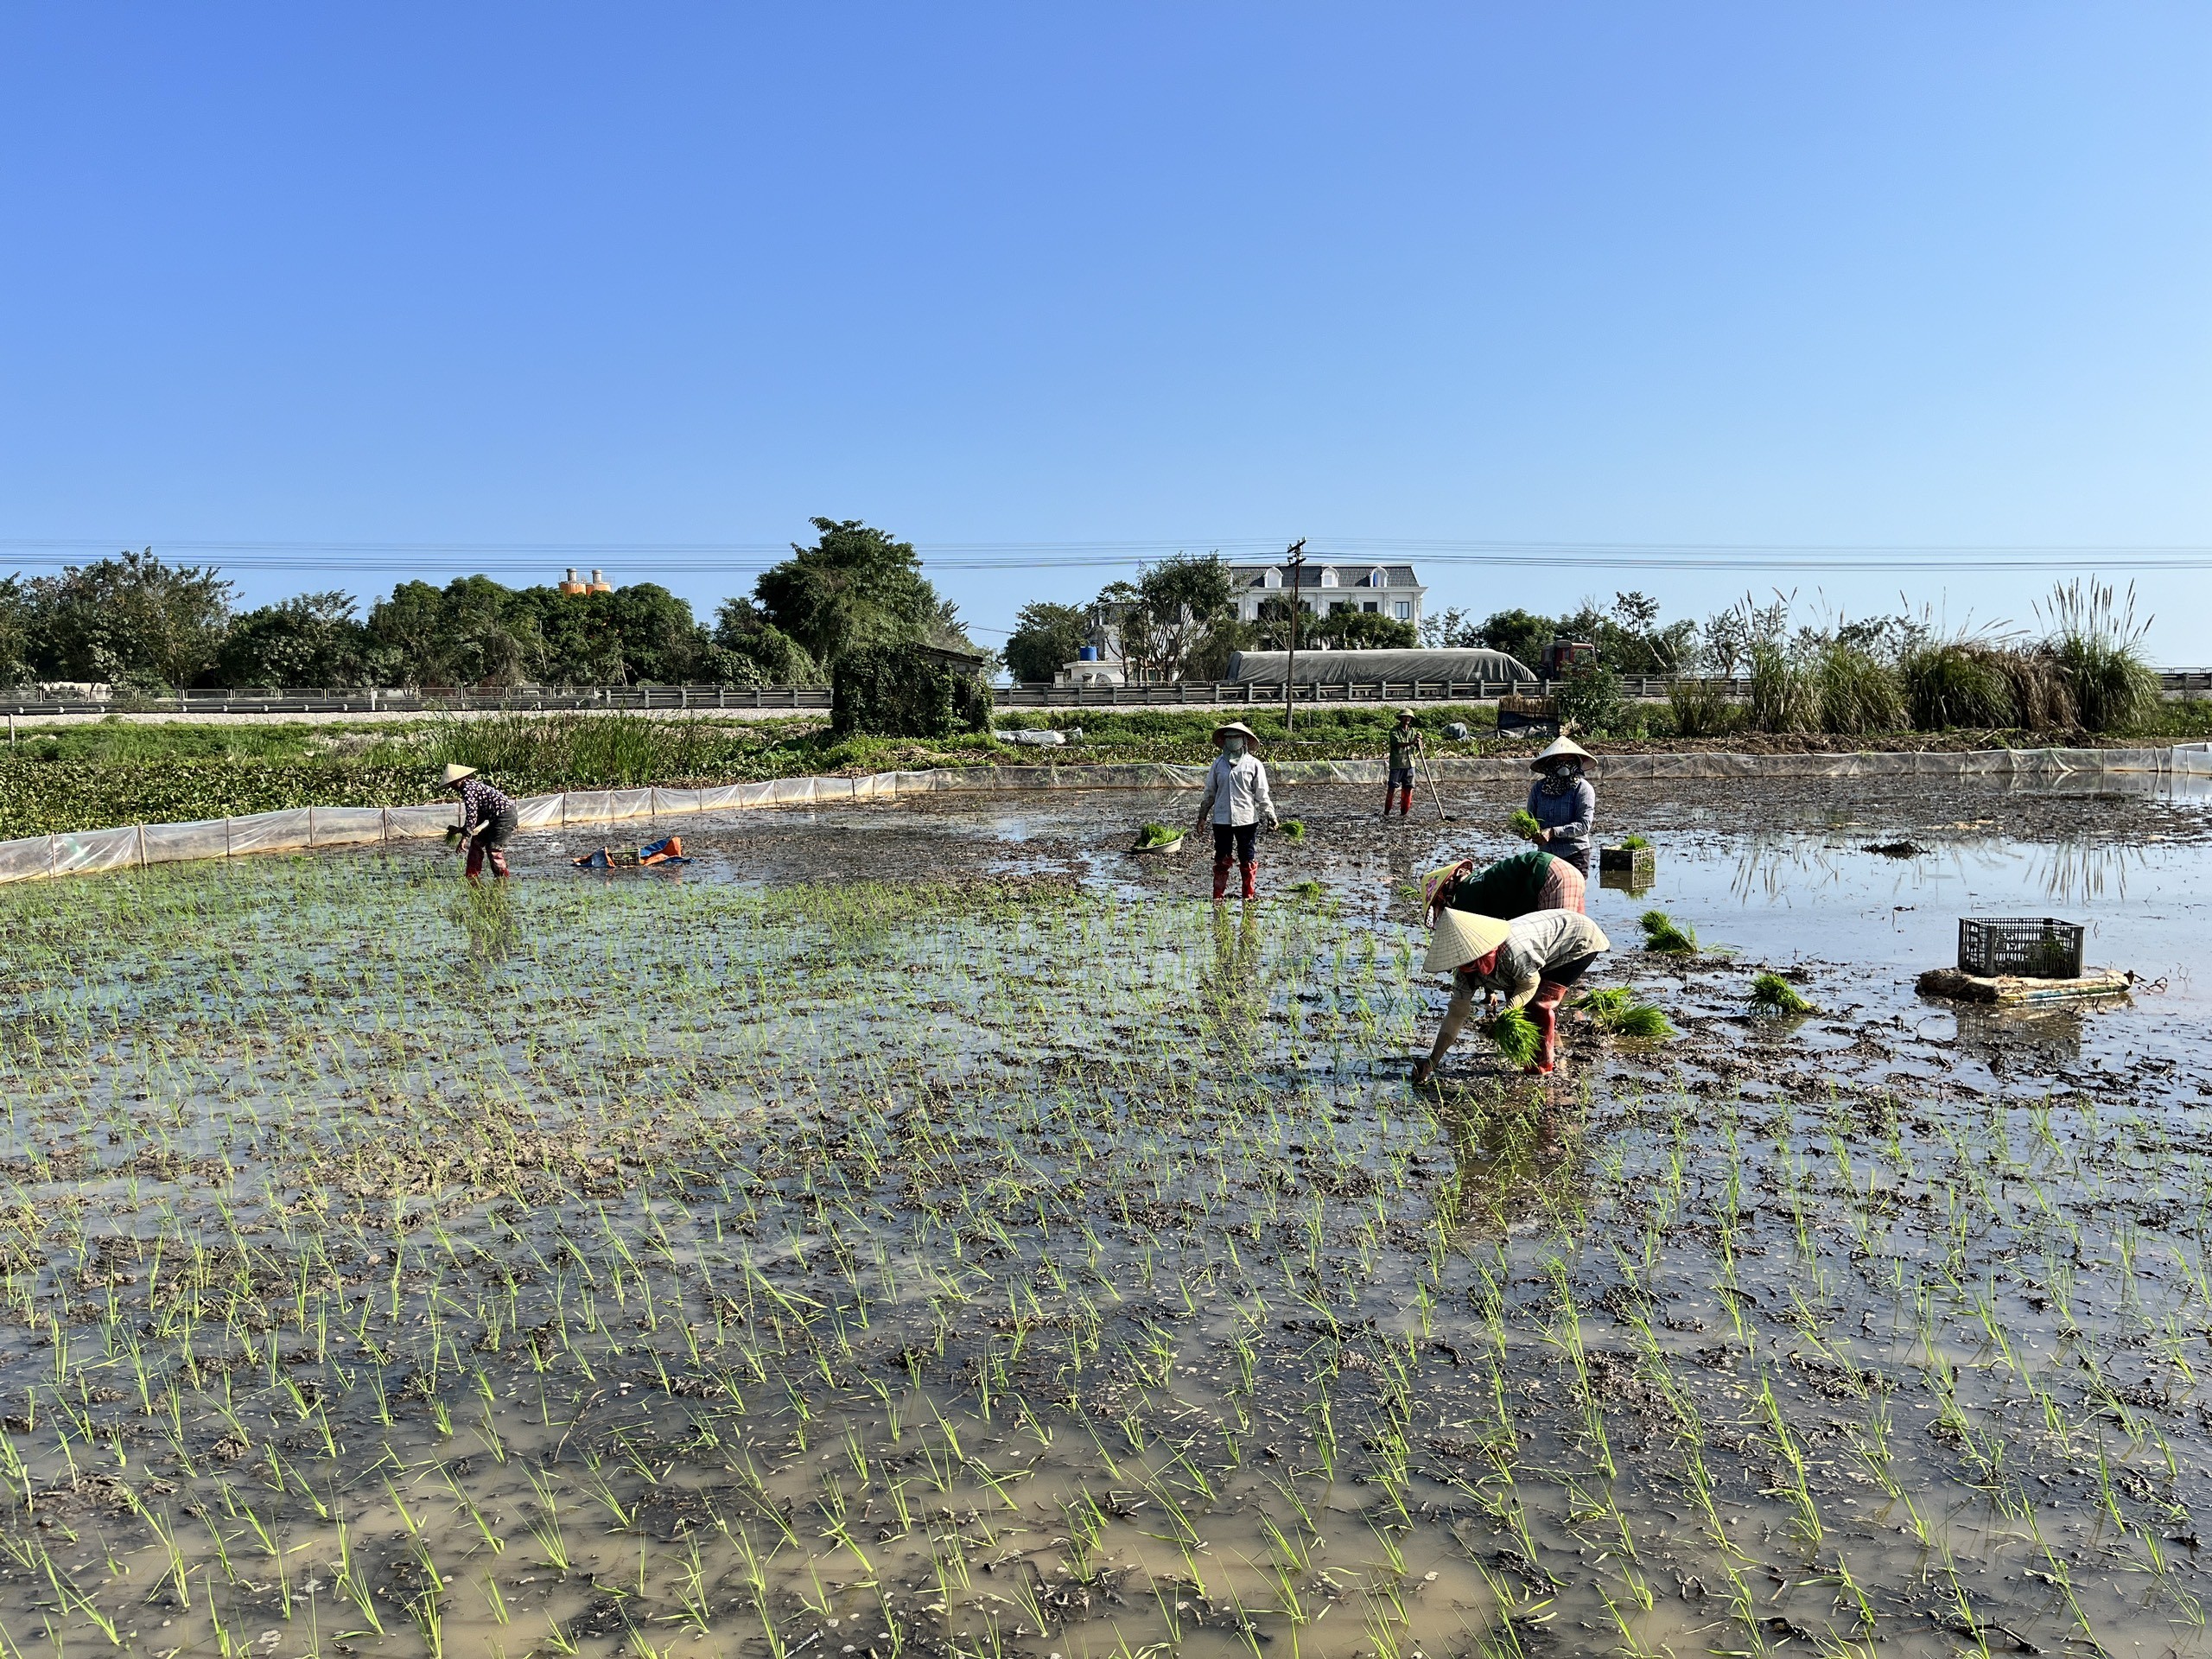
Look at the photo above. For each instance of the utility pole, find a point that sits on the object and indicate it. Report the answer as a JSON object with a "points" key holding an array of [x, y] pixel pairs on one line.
{"points": [[1290, 674]]}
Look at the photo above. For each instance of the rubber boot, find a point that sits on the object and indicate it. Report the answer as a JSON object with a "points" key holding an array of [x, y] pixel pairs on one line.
{"points": [[1221, 879], [1544, 1011], [1387, 793], [1251, 879], [1406, 801]]}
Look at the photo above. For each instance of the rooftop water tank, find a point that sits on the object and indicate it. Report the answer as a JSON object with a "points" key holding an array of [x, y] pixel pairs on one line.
{"points": [[1087, 654]]}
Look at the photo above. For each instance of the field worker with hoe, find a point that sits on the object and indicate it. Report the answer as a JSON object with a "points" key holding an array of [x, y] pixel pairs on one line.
{"points": [[1563, 804], [487, 822], [1530, 961], [1405, 745], [1236, 798]]}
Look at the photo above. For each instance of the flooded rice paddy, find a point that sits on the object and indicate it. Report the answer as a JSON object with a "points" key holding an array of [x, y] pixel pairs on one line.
{"points": [[930, 1230]]}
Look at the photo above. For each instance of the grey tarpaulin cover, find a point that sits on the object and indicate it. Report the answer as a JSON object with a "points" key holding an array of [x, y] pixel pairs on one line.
{"points": [[1368, 667]]}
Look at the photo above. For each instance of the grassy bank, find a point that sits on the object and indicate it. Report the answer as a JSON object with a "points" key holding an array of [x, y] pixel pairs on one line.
{"points": [[88, 776]]}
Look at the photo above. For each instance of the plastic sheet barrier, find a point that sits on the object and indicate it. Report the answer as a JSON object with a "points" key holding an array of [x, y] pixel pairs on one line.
{"points": [[136, 846]]}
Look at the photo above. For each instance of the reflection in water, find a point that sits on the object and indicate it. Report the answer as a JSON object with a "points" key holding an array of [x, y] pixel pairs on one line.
{"points": [[1517, 1156], [1231, 1000], [485, 912], [2080, 872]]}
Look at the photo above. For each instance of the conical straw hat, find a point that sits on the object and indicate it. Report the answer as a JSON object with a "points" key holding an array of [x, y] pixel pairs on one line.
{"points": [[1240, 729], [1562, 748], [1433, 884], [1460, 938], [454, 774]]}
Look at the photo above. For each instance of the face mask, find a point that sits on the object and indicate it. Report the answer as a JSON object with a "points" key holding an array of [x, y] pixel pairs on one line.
{"points": [[1233, 748]]}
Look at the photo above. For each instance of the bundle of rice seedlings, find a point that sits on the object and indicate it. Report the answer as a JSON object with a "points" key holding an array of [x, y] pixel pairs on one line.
{"points": [[1309, 892], [1524, 824], [1613, 1013], [1515, 1036], [1157, 835], [1634, 843], [1293, 828], [1663, 933], [1772, 993]]}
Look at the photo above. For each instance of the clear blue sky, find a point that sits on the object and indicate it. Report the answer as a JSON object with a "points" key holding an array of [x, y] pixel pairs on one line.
{"points": [[1058, 276]]}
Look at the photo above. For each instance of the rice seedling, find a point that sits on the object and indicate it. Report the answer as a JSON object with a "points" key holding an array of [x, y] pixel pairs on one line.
{"points": [[1665, 935], [1772, 993], [903, 1233], [1515, 1036], [1158, 834], [1616, 1012], [1524, 824], [1293, 828]]}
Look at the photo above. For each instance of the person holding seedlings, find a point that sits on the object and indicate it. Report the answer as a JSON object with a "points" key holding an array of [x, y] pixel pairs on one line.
{"points": [[487, 822], [1512, 887], [1236, 798], [1529, 961], [1405, 745], [1563, 804]]}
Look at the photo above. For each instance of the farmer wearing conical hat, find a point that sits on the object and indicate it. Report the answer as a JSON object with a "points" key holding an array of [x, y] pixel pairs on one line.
{"points": [[1236, 798], [1512, 886], [487, 820], [1529, 961], [1405, 744], [1563, 802]]}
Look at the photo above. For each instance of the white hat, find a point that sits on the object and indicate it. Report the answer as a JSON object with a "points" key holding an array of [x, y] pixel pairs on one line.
{"points": [[1240, 729], [1562, 748], [1461, 936], [454, 774]]}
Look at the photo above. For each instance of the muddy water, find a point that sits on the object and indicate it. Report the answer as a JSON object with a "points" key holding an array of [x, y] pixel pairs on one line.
{"points": [[931, 1229]]}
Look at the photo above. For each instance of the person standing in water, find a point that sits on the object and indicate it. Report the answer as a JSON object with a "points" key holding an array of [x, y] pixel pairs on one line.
{"points": [[1562, 802], [487, 822], [1405, 746], [1236, 798]]}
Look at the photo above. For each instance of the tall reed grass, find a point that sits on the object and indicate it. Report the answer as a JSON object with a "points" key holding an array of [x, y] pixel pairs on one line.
{"points": [[2096, 644]]}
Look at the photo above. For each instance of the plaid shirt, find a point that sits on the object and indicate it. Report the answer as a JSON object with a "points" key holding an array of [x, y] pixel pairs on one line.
{"points": [[480, 805]]}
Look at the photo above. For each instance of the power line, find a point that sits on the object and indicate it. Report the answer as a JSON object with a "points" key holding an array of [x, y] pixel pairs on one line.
{"points": [[751, 557]]}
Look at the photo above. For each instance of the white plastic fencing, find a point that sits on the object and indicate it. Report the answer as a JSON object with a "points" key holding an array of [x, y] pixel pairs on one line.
{"points": [[136, 846]]}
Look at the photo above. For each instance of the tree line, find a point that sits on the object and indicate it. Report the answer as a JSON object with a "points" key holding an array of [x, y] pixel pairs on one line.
{"points": [[1179, 620], [140, 624]]}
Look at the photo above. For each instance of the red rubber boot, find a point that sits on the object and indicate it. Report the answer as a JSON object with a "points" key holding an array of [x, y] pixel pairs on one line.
{"points": [[1406, 801], [1544, 1010], [1251, 879], [1221, 879]]}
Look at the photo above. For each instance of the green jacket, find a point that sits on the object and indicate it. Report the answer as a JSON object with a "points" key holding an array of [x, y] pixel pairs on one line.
{"points": [[1506, 889], [1402, 745]]}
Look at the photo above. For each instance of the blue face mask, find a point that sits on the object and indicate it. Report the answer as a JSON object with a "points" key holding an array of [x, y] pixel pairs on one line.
{"points": [[1233, 748]]}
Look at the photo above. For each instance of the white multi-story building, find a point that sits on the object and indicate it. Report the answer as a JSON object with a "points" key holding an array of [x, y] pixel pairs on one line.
{"points": [[1390, 590]]}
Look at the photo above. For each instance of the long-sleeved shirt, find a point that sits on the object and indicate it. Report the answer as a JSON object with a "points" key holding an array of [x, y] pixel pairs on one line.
{"points": [[1404, 745], [1540, 940], [1568, 814], [480, 805], [1237, 792]]}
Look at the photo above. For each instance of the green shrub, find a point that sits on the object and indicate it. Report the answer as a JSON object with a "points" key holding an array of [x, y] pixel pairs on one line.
{"points": [[1857, 691], [1783, 697], [1700, 707], [906, 691], [1958, 683], [1590, 699], [2096, 645]]}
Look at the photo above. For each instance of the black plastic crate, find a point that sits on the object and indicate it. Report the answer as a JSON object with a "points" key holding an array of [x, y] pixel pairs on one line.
{"points": [[2028, 947]]}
